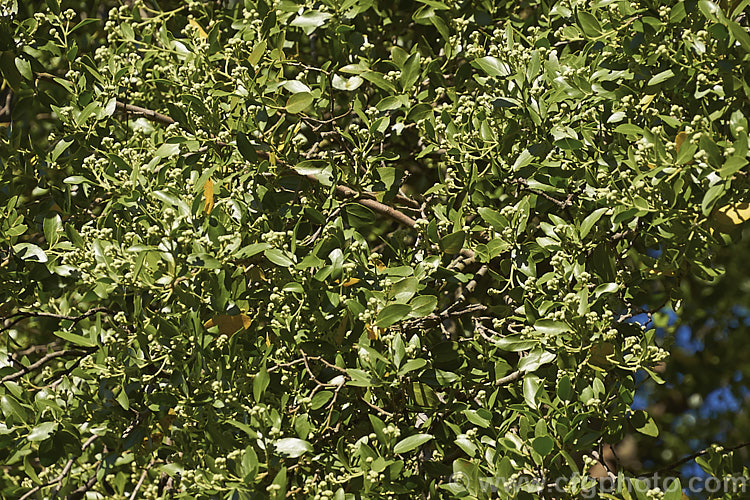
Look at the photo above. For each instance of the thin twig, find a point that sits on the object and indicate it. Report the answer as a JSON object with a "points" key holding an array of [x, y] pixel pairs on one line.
{"points": [[512, 377], [147, 113], [376, 408], [138, 485], [377, 206], [59, 479], [81, 492], [693, 456], [21, 315], [44, 360]]}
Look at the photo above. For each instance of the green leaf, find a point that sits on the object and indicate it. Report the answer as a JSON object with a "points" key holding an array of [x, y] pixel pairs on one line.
{"points": [[245, 148], [260, 382], [311, 20], [589, 23], [477, 418], [535, 359], [543, 445], [514, 343], [127, 31], [320, 399], [298, 102], [590, 221], [564, 388], [551, 327], [167, 150], [280, 481], [349, 84], [391, 314], [453, 243], [377, 79], [422, 306], [410, 72], [664, 75], [411, 365], [122, 398], [321, 171], [29, 252], [378, 426], [278, 257], [42, 431], [568, 143], [738, 32], [644, 423], [292, 447], [75, 338], [411, 442], [403, 290], [52, 228], [523, 159], [674, 491], [257, 53], [12, 408], [710, 198], [59, 149], [497, 221], [531, 385], [24, 68], [492, 66], [249, 462], [250, 250]]}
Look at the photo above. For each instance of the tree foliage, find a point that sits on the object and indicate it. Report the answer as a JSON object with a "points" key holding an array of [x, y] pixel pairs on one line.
{"points": [[352, 248]]}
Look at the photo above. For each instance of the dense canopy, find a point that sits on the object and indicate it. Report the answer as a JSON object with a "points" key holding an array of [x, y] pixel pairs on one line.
{"points": [[355, 248]]}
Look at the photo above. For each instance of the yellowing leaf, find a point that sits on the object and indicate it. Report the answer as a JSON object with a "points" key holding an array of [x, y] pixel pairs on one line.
{"points": [[646, 101], [208, 194], [150, 443], [255, 273], [679, 140], [351, 281], [373, 332], [201, 32], [229, 324], [341, 330], [165, 422], [599, 353], [729, 217]]}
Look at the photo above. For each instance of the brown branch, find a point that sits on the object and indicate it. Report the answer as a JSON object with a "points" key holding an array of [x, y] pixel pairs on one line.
{"points": [[81, 492], [525, 187], [146, 113], [137, 487], [376, 408], [377, 206], [344, 190], [43, 361], [59, 479], [34, 349], [448, 313], [29, 314], [512, 377]]}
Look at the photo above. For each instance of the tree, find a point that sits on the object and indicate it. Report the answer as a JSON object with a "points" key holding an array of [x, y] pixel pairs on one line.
{"points": [[353, 248]]}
